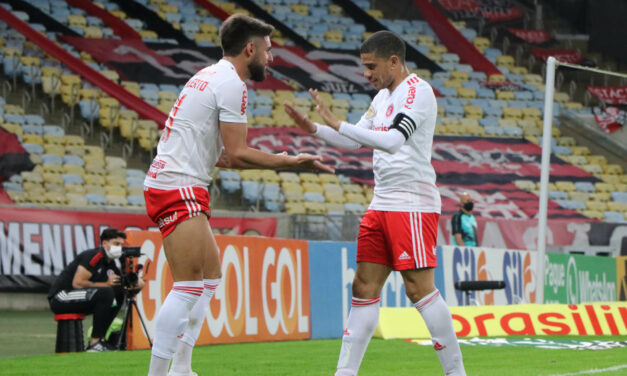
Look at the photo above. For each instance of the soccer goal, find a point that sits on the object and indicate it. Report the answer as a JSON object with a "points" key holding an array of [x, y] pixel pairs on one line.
{"points": [[551, 67]]}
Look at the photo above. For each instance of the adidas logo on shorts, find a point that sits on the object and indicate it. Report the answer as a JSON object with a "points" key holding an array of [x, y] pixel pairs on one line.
{"points": [[404, 256]]}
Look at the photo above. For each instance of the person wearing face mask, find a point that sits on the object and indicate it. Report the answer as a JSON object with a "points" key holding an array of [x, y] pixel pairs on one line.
{"points": [[90, 284], [464, 223]]}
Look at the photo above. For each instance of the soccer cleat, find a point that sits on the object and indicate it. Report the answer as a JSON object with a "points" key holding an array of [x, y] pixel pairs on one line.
{"points": [[99, 346]]}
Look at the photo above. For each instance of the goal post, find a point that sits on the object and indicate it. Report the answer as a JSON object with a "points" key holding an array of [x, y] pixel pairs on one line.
{"points": [[545, 165]]}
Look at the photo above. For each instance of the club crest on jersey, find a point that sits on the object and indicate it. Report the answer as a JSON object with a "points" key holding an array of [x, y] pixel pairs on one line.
{"points": [[389, 110]]}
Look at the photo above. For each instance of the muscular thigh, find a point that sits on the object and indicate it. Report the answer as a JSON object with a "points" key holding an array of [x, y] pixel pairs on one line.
{"points": [[188, 248]]}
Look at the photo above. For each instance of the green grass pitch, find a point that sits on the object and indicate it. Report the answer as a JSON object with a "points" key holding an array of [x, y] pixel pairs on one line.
{"points": [[22, 335]]}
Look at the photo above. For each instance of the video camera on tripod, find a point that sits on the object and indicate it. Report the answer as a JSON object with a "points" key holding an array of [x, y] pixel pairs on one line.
{"points": [[130, 268], [129, 276]]}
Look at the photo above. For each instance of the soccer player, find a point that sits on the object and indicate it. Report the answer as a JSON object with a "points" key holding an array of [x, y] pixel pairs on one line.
{"points": [[399, 230], [205, 128]]}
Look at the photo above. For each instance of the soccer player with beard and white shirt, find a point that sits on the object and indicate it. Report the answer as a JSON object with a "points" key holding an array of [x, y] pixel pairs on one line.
{"points": [[399, 230], [206, 128]]}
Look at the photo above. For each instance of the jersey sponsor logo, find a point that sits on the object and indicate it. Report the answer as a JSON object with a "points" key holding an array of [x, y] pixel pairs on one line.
{"points": [[244, 101], [389, 110], [380, 128], [347, 332], [411, 96], [157, 164], [197, 83], [404, 256], [164, 221]]}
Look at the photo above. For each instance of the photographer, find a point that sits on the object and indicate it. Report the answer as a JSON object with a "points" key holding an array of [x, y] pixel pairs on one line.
{"points": [[91, 283]]}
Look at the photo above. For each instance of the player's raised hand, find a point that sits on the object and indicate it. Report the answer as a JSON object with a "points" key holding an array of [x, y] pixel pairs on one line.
{"points": [[301, 120], [324, 111], [306, 161]]}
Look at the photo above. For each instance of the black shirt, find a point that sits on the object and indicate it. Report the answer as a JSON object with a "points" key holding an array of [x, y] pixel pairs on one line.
{"points": [[94, 260]]}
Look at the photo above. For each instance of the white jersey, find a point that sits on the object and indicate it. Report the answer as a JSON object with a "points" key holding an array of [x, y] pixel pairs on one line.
{"points": [[405, 180], [191, 142]]}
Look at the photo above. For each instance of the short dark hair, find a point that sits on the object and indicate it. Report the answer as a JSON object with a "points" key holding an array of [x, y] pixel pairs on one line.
{"points": [[112, 233], [237, 30], [384, 44]]}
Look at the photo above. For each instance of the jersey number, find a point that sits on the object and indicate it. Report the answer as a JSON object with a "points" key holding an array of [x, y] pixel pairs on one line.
{"points": [[170, 122]]}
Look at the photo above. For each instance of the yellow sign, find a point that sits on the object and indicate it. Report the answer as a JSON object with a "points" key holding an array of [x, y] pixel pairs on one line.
{"points": [[621, 278], [521, 319]]}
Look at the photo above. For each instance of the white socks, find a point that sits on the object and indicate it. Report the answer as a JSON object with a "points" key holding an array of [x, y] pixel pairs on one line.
{"points": [[362, 322], [437, 316], [182, 361], [171, 322]]}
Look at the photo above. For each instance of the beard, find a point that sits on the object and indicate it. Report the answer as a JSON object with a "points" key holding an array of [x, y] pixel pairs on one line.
{"points": [[257, 71]]}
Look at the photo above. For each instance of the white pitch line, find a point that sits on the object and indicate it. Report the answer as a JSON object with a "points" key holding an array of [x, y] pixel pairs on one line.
{"points": [[591, 371]]}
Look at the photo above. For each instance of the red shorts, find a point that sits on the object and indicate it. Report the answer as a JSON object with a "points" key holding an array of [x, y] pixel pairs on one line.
{"points": [[401, 240], [168, 208]]}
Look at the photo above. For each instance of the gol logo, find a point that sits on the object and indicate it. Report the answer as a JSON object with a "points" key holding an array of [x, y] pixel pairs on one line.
{"points": [[263, 294], [520, 280], [265, 302], [467, 268]]}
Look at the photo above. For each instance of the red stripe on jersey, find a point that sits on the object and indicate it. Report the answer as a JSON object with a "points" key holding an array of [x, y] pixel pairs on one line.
{"points": [[96, 259], [413, 80]]}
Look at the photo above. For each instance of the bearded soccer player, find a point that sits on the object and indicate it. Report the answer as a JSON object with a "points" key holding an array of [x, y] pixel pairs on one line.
{"points": [[205, 128], [399, 230]]}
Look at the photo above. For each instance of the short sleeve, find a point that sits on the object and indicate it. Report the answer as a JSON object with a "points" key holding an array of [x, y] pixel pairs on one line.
{"points": [[418, 105], [232, 100], [456, 224], [90, 260]]}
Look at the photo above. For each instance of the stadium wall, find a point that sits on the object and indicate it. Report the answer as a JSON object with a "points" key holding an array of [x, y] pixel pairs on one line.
{"points": [[277, 289]]}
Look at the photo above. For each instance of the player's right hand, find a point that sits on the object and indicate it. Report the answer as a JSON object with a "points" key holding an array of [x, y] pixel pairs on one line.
{"points": [[324, 111], [310, 162], [299, 118]]}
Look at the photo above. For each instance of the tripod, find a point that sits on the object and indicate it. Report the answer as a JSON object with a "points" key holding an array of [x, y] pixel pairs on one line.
{"points": [[130, 302]]}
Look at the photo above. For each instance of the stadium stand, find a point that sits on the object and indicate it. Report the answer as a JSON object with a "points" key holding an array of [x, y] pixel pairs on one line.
{"points": [[490, 120]]}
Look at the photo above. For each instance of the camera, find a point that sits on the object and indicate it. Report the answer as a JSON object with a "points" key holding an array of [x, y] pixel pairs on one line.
{"points": [[129, 272]]}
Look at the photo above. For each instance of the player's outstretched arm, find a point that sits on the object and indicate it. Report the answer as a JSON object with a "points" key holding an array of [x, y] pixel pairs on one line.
{"points": [[240, 155], [325, 133], [386, 141]]}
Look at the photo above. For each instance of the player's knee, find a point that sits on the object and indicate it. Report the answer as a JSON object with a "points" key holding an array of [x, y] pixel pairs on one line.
{"points": [[416, 293], [365, 289]]}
